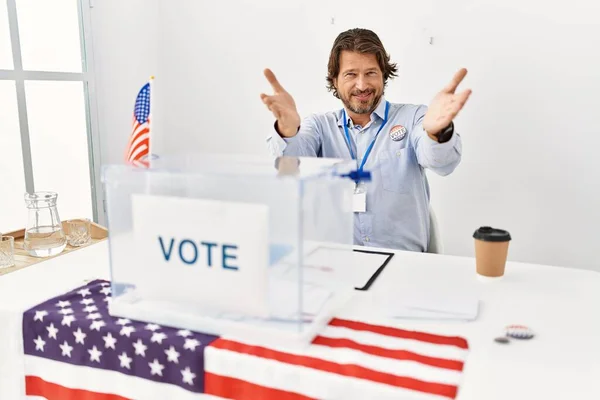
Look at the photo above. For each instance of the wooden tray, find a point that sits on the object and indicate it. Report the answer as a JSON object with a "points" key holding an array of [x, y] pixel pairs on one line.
{"points": [[23, 259]]}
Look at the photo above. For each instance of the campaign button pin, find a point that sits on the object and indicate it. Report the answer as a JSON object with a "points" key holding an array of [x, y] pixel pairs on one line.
{"points": [[519, 332], [397, 133]]}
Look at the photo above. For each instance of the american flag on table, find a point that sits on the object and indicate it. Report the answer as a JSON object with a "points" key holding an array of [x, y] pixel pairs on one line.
{"points": [[75, 350], [138, 147]]}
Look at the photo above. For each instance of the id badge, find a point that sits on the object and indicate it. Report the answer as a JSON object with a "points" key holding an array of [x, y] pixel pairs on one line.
{"points": [[359, 199]]}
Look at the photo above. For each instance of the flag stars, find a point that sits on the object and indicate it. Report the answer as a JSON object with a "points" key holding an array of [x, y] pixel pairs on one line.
{"points": [[95, 354], [96, 325], [66, 349], [139, 343], [156, 367], [140, 348], [109, 341], [39, 315], [79, 336], [86, 302], [184, 333], [158, 337], [127, 331], [172, 355], [39, 343], [67, 319], [191, 344], [188, 376], [90, 309], [125, 360], [106, 290], [52, 331], [152, 327], [62, 304]]}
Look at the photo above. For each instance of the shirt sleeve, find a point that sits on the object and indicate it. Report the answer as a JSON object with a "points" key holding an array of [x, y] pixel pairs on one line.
{"points": [[306, 143], [442, 158]]}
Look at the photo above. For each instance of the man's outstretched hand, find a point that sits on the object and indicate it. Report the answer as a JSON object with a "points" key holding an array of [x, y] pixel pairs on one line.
{"points": [[445, 106], [282, 105]]}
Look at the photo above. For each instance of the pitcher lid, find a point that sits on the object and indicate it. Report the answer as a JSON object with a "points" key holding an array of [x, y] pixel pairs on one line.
{"points": [[41, 196], [40, 199]]}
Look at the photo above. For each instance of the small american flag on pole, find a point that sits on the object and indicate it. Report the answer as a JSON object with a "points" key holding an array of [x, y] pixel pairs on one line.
{"points": [[138, 148]]}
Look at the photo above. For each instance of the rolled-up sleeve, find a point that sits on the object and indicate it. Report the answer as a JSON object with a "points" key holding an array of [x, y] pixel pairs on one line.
{"points": [[306, 143], [442, 158]]}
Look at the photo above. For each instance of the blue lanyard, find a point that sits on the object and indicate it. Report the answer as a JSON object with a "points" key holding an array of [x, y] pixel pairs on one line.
{"points": [[364, 160]]}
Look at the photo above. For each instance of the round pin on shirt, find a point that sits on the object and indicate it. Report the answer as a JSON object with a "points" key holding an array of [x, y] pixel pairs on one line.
{"points": [[397, 133]]}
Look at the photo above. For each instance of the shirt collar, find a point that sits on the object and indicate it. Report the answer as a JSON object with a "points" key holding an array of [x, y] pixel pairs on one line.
{"points": [[379, 111]]}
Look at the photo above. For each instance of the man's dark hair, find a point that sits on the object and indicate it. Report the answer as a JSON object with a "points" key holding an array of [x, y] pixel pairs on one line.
{"points": [[361, 41]]}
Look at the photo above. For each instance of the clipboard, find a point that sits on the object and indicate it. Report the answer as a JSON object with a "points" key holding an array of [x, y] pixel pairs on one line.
{"points": [[372, 274], [387, 257]]}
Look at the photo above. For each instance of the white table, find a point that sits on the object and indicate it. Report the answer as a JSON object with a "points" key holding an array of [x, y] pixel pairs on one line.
{"points": [[561, 305]]}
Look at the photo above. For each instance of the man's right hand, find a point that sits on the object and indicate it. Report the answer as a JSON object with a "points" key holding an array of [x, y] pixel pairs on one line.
{"points": [[283, 107]]}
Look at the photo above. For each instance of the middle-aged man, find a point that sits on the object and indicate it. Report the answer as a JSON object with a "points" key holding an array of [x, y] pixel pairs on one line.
{"points": [[395, 142]]}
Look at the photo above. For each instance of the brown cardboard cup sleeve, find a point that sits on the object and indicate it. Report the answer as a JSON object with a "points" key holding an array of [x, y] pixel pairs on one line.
{"points": [[491, 251]]}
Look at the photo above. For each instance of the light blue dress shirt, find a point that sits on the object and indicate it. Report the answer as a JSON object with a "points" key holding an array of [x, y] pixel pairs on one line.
{"points": [[397, 212]]}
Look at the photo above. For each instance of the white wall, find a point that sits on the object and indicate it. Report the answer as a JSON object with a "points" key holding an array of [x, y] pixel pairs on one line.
{"points": [[530, 129], [125, 51]]}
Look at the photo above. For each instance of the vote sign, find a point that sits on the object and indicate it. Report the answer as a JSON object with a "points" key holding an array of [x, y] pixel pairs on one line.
{"points": [[206, 252]]}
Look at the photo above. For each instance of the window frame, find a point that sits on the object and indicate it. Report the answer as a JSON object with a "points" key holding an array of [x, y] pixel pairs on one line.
{"points": [[19, 76]]}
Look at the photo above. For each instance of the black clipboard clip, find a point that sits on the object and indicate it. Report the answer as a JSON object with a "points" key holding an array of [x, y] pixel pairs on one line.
{"points": [[379, 270]]}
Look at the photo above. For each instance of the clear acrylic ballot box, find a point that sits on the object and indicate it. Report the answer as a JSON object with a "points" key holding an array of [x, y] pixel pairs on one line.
{"points": [[221, 244]]}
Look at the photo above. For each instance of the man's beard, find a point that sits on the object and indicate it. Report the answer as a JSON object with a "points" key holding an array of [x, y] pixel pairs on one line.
{"points": [[363, 107]]}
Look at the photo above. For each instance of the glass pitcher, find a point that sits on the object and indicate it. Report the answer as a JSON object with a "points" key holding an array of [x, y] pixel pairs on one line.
{"points": [[44, 235]]}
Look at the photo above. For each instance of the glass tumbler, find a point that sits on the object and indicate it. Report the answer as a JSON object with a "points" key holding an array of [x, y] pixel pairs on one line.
{"points": [[78, 232], [7, 251]]}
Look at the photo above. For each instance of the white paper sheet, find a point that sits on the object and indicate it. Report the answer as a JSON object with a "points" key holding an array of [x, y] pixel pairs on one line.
{"points": [[429, 302], [332, 267]]}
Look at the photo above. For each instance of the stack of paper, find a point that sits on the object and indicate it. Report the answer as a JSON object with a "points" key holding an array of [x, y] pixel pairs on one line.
{"points": [[426, 303]]}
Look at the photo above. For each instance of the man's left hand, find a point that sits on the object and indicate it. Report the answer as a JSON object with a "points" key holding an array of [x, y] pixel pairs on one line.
{"points": [[445, 106]]}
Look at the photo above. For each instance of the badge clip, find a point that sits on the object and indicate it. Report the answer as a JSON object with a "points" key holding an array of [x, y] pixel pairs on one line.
{"points": [[358, 176]]}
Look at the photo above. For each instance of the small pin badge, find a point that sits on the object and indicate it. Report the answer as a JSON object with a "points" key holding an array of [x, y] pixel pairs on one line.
{"points": [[519, 332], [397, 133]]}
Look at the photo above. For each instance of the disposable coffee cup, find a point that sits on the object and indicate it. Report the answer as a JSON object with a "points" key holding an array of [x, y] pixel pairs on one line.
{"points": [[491, 250]]}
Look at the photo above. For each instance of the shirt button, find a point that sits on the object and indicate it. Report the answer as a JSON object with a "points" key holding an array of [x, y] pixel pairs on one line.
{"points": [[398, 153], [367, 239]]}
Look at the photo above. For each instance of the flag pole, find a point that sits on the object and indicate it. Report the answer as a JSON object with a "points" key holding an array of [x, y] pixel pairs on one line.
{"points": [[151, 122], [148, 177]]}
